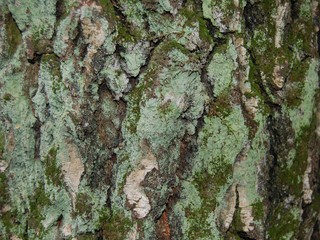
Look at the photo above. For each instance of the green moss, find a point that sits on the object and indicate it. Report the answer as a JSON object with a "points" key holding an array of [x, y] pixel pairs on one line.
{"points": [[38, 200], [87, 236], [7, 97], [74, 119], [282, 221], [2, 141], [169, 46], [115, 225], [53, 63], [257, 86], [52, 171], [192, 16], [258, 210], [124, 33], [221, 107], [82, 206], [4, 196], [13, 35], [208, 186], [135, 99], [219, 141], [108, 8], [290, 177], [7, 220], [237, 224]]}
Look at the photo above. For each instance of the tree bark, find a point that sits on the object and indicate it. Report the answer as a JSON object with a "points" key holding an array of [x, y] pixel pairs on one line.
{"points": [[169, 119]]}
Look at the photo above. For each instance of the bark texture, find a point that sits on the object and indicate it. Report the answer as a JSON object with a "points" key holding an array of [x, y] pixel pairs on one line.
{"points": [[159, 119]]}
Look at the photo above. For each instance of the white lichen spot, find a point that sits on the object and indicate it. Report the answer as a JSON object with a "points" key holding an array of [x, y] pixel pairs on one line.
{"points": [[67, 230], [14, 237], [251, 105], [226, 212], [5, 208], [307, 191], [282, 12], [133, 233], [243, 63], [278, 77], [72, 168], [134, 192], [94, 35], [246, 210], [3, 165]]}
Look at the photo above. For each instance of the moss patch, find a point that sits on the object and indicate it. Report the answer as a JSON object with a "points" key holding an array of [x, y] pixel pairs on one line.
{"points": [[2, 141], [194, 16], [135, 100], [208, 186], [13, 35], [82, 204], [282, 222], [38, 201], [4, 196], [52, 171], [115, 226]]}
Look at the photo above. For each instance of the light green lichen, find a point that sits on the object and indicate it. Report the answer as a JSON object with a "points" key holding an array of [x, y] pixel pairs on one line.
{"points": [[37, 17], [220, 141], [67, 30], [291, 157], [220, 69], [301, 116], [135, 56], [135, 12], [116, 79], [306, 9], [220, 13], [247, 172], [166, 6]]}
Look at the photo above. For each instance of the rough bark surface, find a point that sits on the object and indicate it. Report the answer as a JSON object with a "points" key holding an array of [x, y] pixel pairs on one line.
{"points": [[159, 119]]}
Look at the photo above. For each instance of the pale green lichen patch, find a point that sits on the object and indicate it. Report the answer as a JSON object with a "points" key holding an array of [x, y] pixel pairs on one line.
{"points": [[165, 5], [135, 12], [162, 110], [67, 30], [221, 140], [160, 131], [221, 69], [246, 172], [222, 14], [37, 17], [115, 77], [302, 115], [135, 56]]}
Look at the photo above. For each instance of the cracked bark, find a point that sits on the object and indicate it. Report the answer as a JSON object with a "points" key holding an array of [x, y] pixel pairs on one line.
{"points": [[209, 129]]}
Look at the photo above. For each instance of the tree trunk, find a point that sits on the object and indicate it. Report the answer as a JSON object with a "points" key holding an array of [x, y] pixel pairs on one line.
{"points": [[159, 119]]}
